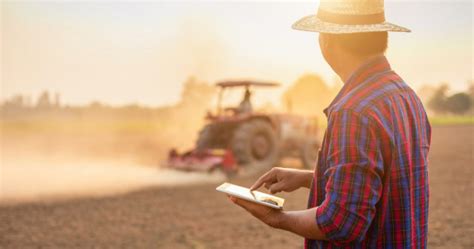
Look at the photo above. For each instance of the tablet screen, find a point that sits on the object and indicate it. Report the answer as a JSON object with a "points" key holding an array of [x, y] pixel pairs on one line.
{"points": [[244, 193]]}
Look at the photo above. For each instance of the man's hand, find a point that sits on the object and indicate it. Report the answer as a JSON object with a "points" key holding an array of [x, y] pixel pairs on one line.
{"points": [[284, 179], [267, 215]]}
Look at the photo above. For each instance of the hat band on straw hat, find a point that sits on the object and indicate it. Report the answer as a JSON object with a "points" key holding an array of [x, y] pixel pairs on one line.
{"points": [[351, 19]]}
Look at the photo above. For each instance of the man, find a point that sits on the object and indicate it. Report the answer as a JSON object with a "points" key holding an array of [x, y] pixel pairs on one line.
{"points": [[245, 105], [370, 185]]}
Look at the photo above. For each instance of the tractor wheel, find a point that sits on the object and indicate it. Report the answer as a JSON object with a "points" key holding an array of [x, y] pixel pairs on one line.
{"points": [[309, 153], [255, 142]]}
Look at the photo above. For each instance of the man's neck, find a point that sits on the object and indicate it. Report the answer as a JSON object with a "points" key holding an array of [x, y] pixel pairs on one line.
{"points": [[351, 64]]}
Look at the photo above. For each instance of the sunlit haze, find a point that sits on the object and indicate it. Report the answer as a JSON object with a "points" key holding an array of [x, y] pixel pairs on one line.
{"points": [[125, 52]]}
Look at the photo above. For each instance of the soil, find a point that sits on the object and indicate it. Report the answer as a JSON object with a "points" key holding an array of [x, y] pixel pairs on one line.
{"points": [[197, 216]]}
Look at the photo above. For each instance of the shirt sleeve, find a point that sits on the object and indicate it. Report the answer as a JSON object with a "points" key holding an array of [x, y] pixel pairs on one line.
{"points": [[354, 178]]}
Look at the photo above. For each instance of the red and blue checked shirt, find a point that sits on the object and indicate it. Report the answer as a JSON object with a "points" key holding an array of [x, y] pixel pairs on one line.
{"points": [[371, 181]]}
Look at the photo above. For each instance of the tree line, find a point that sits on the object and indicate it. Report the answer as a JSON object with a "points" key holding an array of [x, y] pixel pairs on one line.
{"points": [[440, 100], [308, 95]]}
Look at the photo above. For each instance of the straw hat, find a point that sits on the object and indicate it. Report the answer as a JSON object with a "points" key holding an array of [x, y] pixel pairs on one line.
{"points": [[348, 16]]}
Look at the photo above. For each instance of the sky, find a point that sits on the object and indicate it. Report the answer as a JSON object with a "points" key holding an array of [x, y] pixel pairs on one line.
{"points": [[141, 52]]}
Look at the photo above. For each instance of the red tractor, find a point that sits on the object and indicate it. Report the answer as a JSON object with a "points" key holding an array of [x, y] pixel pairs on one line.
{"points": [[241, 137]]}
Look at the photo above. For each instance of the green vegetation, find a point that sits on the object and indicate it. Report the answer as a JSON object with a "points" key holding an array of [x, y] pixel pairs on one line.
{"points": [[452, 120]]}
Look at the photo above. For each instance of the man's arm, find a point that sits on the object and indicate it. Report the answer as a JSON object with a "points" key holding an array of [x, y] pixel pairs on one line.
{"points": [[302, 223], [353, 177]]}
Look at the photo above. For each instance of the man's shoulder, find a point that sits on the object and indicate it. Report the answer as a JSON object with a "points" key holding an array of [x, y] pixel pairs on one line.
{"points": [[374, 98], [378, 91]]}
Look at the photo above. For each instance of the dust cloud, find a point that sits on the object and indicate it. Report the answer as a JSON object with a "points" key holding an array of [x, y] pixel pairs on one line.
{"points": [[44, 180], [55, 152]]}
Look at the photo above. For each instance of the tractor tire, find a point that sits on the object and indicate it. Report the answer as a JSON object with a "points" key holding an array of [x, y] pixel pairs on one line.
{"points": [[255, 143], [309, 153]]}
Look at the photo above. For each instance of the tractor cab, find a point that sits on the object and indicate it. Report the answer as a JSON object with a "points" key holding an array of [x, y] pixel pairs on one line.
{"points": [[244, 108]]}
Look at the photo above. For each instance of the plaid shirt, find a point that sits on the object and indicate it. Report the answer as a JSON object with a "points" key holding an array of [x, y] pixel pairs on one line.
{"points": [[371, 181]]}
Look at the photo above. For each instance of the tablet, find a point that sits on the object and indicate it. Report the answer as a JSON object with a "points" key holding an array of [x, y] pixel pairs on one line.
{"points": [[244, 193]]}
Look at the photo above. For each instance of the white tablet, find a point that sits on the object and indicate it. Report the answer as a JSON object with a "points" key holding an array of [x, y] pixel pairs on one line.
{"points": [[244, 193]]}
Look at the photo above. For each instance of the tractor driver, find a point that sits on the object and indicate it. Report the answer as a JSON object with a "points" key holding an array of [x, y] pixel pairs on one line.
{"points": [[245, 105]]}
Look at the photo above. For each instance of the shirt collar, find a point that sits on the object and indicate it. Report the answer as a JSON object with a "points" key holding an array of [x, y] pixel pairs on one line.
{"points": [[371, 66]]}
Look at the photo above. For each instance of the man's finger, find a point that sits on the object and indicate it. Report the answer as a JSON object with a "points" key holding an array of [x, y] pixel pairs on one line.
{"points": [[277, 187], [269, 176], [267, 185]]}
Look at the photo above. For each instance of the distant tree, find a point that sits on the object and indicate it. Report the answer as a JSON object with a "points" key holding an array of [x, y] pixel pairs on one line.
{"points": [[57, 100], [426, 92], [196, 97], [184, 119], [470, 91], [17, 101], [309, 95], [458, 103], [437, 102], [14, 104], [43, 101], [470, 88], [95, 105], [195, 94]]}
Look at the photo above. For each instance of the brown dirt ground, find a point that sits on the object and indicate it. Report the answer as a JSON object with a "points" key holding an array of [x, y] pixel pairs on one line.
{"points": [[200, 217]]}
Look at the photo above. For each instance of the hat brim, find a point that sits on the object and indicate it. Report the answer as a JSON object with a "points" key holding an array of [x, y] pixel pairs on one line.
{"points": [[313, 24]]}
